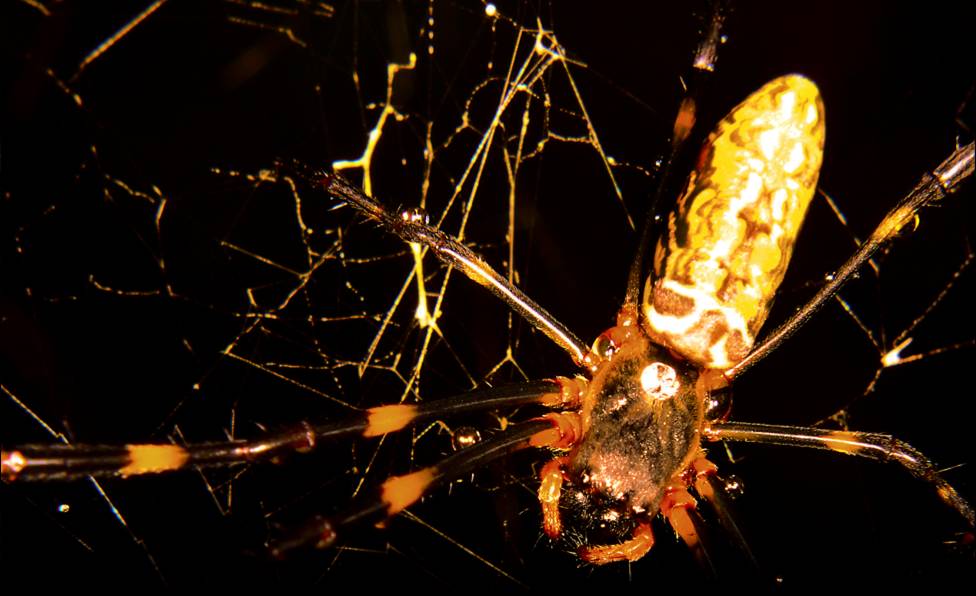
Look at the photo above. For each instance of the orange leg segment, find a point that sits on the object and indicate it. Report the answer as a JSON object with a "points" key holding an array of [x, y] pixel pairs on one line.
{"points": [[629, 550], [702, 469], [549, 492], [566, 431], [675, 508]]}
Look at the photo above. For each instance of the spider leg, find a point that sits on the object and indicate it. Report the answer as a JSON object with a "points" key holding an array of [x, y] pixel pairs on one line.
{"points": [[411, 226], [550, 491], [702, 66], [680, 509], [399, 492], [878, 447], [677, 508], [931, 188], [568, 432], [73, 461], [711, 488], [628, 550]]}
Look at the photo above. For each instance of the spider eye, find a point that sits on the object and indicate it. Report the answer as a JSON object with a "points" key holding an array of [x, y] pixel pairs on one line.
{"points": [[659, 381]]}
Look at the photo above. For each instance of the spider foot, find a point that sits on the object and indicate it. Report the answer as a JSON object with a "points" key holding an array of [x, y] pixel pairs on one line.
{"points": [[629, 550]]}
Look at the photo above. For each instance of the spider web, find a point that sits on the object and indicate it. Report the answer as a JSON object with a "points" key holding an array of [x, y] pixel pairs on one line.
{"points": [[162, 286]]}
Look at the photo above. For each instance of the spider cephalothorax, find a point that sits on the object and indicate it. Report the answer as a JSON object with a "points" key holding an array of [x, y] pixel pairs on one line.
{"points": [[641, 420], [641, 424]]}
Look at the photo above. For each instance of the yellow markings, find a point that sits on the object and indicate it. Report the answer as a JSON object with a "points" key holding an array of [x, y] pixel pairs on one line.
{"points": [[387, 419], [893, 223], [731, 236], [401, 492], [151, 459], [843, 441]]}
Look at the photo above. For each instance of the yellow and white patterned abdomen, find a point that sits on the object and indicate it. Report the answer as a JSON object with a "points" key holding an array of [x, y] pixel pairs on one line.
{"points": [[731, 235]]}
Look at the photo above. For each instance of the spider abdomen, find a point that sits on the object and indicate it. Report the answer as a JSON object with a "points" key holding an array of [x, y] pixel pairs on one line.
{"points": [[731, 236]]}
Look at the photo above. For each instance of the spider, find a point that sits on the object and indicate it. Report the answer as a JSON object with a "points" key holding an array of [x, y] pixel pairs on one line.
{"points": [[632, 436]]}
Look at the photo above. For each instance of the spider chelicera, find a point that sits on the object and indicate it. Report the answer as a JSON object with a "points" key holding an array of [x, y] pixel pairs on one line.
{"points": [[629, 433]]}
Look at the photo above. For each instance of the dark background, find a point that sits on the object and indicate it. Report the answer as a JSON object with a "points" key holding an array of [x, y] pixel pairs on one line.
{"points": [[198, 86]]}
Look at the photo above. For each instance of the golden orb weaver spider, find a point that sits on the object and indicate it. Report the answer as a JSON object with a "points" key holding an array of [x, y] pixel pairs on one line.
{"points": [[237, 161]]}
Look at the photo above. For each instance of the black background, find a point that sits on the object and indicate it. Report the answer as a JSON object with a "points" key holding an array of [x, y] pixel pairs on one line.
{"points": [[190, 89]]}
